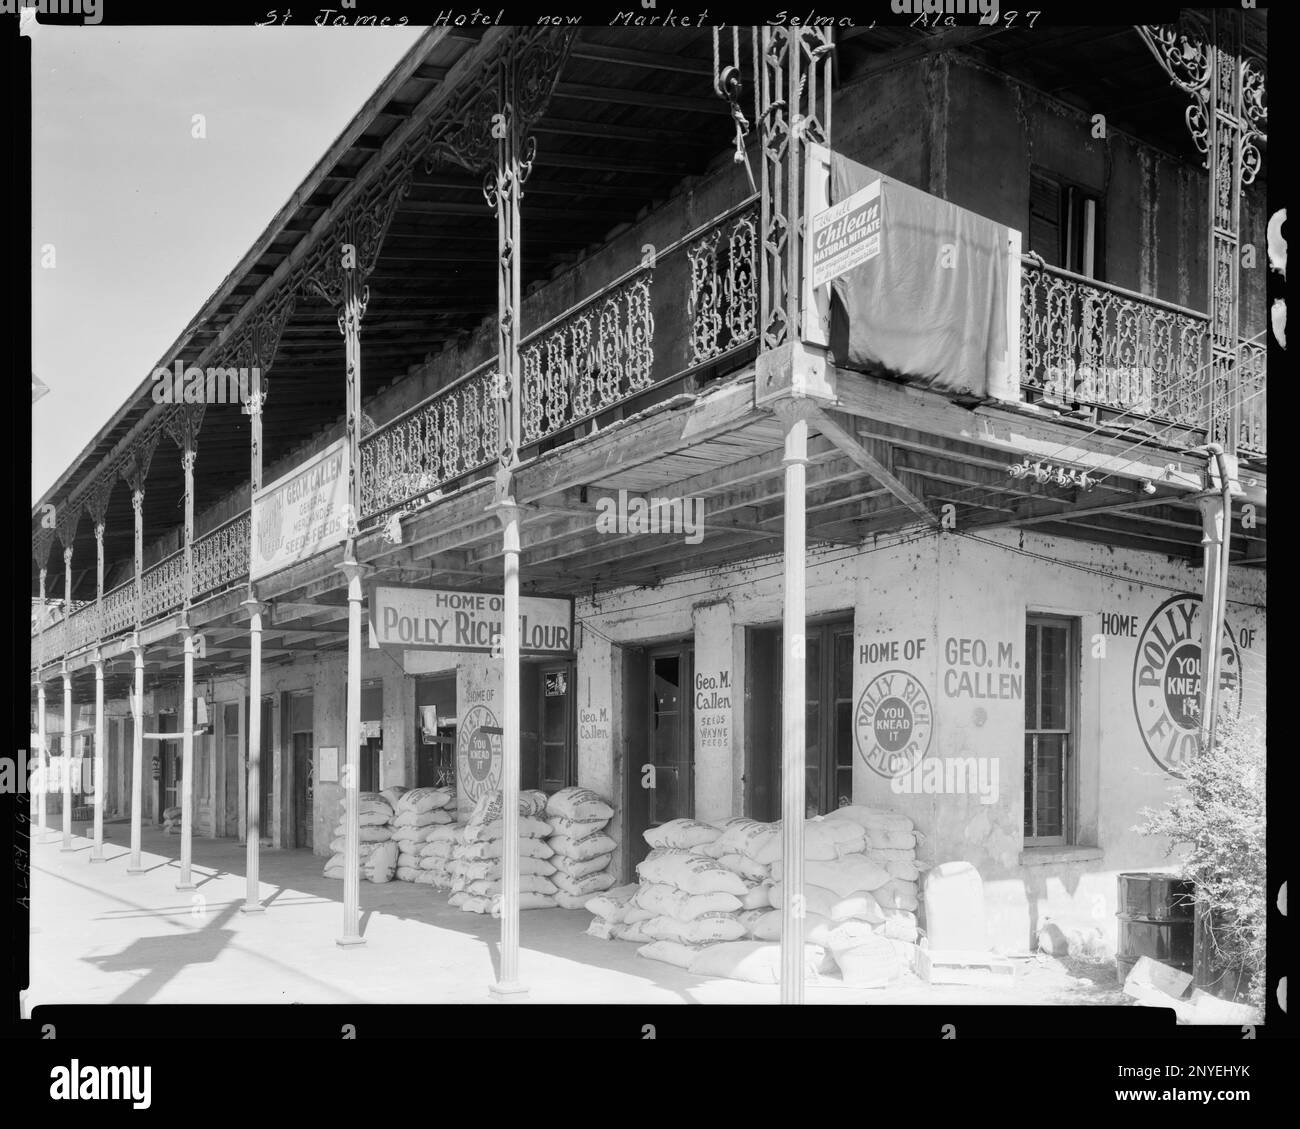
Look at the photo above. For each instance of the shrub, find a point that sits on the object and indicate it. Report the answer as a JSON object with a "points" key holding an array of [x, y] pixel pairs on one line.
{"points": [[1218, 814]]}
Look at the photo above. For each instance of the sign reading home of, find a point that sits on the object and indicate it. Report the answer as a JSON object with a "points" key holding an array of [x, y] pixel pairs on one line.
{"points": [[442, 619], [846, 235], [301, 514]]}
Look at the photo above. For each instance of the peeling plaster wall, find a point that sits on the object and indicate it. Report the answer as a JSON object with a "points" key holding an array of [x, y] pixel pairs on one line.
{"points": [[1154, 202], [920, 596]]}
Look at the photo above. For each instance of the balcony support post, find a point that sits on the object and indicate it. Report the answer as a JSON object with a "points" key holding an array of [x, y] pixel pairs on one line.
{"points": [[42, 748], [793, 414], [137, 735], [253, 727], [97, 850], [66, 760]]}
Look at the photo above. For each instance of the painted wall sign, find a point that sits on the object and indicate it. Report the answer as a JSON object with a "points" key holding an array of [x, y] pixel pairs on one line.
{"points": [[893, 723], [713, 710], [442, 619], [982, 669], [1167, 681], [301, 514], [478, 753], [594, 723], [846, 234]]}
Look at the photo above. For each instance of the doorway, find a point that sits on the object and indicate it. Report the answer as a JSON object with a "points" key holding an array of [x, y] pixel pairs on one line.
{"points": [[660, 765], [547, 726], [169, 766], [298, 722], [828, 720], [230, 756], [435, 729], [372, 735]]}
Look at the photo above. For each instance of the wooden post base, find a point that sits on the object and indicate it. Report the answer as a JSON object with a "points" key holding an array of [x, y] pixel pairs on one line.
{"points": [[511, 992]]}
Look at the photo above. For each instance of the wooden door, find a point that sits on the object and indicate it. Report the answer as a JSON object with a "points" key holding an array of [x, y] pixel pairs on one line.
{"points": [[660, 767]]}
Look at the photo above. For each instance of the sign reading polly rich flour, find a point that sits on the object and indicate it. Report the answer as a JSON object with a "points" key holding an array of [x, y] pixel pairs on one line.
{"points": [[442, 619], [1167, 681], [301, 514]]}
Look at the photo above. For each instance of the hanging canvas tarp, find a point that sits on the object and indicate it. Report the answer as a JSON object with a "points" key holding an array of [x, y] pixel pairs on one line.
{"points": [[919, 285]]}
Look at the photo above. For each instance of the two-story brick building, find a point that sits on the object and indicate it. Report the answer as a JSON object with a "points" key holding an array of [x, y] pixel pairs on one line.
{"points": [[1000, 561]]}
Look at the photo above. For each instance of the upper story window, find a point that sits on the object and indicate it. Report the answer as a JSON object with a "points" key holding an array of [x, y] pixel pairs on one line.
{"points": [[1065, 224]]}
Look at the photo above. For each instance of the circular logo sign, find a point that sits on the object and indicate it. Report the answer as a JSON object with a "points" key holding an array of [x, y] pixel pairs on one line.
{"points": [[1167, 681], [893, 723], [478, 748]]}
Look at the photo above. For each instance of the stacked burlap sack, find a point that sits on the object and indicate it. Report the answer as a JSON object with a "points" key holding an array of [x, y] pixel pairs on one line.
{"points": [[378, 853], [416, 813], [860, 893], [475, 866], [171, 821], [709, 897], [608, 909], [581, 848]]}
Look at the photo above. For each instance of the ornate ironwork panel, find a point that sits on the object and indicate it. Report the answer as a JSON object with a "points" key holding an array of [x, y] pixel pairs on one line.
{"points": [[723, 303], [1092, 345], [119, 609], [164, 586], [1253, 392], [1208, 56], [452, 433], [594, 357], [221, 556], [794, 86]]}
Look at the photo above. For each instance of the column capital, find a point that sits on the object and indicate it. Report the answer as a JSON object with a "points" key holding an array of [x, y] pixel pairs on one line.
{"points": [[353, 569], [790, 409], [254, 606]]}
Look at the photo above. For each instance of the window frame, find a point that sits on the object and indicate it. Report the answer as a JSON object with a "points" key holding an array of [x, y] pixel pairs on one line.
{"points": [[1072, 210], [1069, 731]]}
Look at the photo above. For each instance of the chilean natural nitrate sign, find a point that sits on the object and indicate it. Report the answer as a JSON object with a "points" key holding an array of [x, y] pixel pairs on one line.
{"points": [[846, 234], [446, 619]]}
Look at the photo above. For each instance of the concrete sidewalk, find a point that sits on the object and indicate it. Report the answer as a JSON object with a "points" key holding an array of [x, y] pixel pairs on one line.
{"points": [[100, 935]]}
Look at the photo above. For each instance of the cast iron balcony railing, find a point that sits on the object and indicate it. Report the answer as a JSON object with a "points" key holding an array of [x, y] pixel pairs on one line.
{"points": [[221, 556], [119, 609], [164, 586], [689, 305], [1088, 344]]}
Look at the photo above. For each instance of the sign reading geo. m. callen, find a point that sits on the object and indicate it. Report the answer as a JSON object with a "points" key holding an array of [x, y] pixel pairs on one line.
{"points": [[301, 514], [1167, 681]]}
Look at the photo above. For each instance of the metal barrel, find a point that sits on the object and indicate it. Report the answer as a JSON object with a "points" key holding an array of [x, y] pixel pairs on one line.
{"points": [[1156, 914]]}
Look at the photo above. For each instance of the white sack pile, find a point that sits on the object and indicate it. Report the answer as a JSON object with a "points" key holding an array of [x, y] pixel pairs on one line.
{"points": [[171, 821], [582, 849], [475, 866], [416, 813], [378, 853], [710, 897]]}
